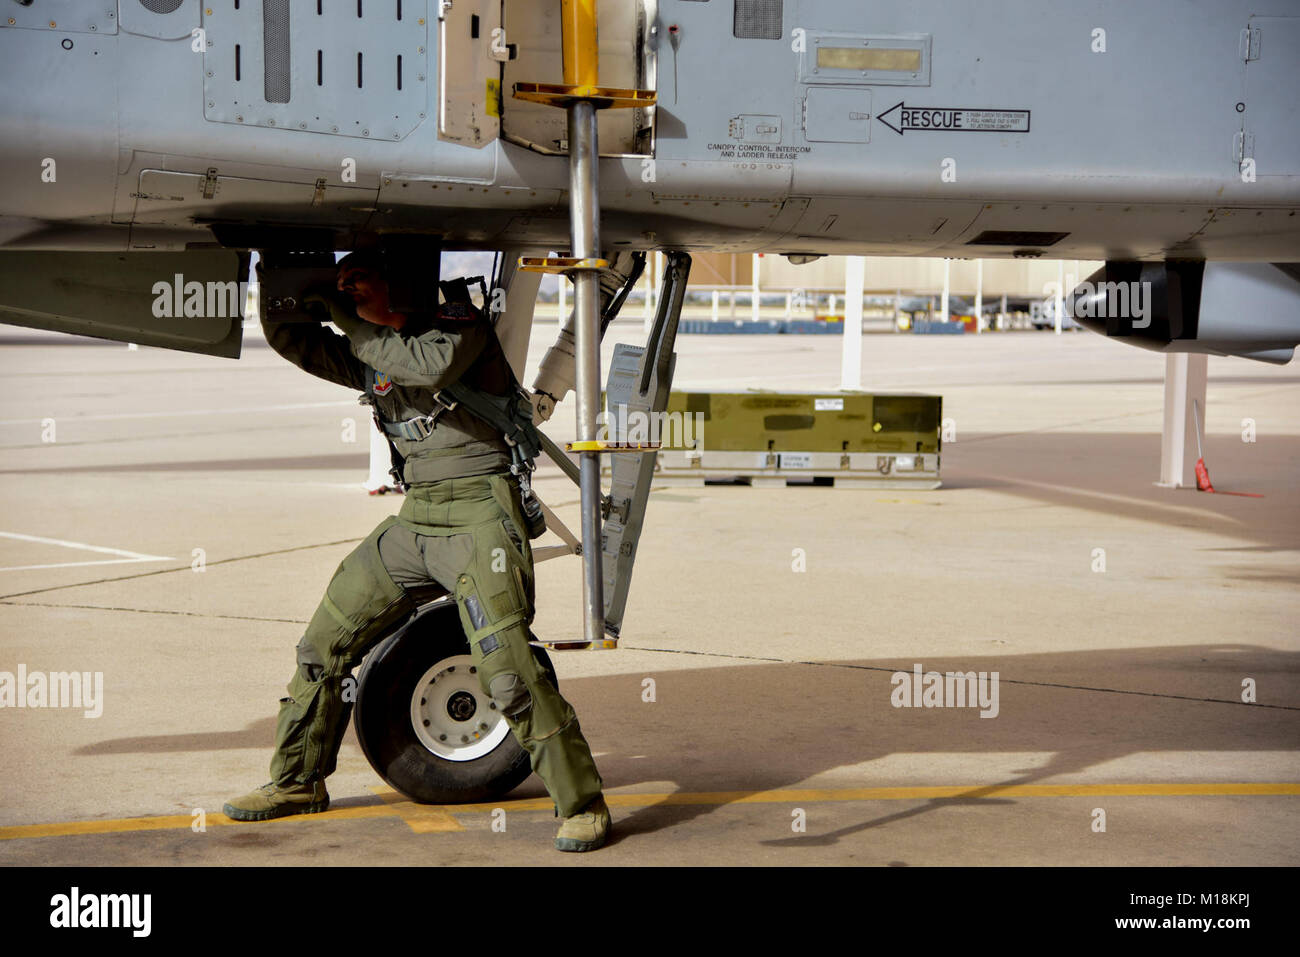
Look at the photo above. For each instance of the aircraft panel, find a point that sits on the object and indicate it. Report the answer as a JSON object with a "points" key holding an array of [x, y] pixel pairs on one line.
{"points": [[1271, 118], [190, 301], [63, 16], [533, 29], [883, 225], [469, 77], [167, 198], [163, 19], [837, 114], [340, 69], [58, 169]]}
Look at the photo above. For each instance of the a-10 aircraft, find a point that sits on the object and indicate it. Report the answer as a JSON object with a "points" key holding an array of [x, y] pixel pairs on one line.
{"points": [[147, 147]]}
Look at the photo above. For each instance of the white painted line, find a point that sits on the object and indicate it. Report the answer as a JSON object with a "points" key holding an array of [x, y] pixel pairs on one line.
{"points": [[127, 559], [349, 486], [105, 561], [181, 413]]}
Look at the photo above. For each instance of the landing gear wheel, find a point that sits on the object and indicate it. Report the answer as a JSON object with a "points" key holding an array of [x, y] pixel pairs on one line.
{"points": [[424, 723]]}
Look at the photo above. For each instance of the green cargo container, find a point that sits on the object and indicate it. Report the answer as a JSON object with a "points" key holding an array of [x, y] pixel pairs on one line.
{"points": [[855, 438], [814, 422]]}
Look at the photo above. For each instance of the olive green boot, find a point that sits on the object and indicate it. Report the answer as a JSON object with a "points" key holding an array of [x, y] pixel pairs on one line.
{"points": [[585, 831], [270, 801]]}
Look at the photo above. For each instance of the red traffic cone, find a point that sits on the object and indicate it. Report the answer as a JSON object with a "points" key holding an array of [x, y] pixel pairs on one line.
{"points": [[1202, 473], [1203, 477]]}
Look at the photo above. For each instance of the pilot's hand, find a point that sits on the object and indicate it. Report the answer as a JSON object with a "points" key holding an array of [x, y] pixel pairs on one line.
{"points": [[320, 300]]}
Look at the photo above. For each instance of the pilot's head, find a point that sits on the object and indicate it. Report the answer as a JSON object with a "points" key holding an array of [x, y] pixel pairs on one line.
{"points": [[363, 276]]}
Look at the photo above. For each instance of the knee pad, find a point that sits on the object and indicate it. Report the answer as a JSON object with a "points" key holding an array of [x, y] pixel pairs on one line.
{"points": [[510, 694], [361, 603], [309, 660]]}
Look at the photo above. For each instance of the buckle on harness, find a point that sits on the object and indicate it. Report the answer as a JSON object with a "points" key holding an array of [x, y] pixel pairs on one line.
{"points": [[420, 427], [416, 429], [444, 405]]}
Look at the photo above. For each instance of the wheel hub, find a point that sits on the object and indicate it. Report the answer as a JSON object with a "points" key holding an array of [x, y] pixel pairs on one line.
{"points": [[450, 714], [460, 706]]}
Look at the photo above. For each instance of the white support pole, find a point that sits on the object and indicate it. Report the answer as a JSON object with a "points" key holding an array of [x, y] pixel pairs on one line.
{"points": [[732, 298], [789, 307], [898, 308], [648, 312], [943, 308], [562, 312], [1185, 377], [380, 459], [830, 305], [753, 309], [855, 270], [1002, 313], [979, 296], [1060, 293], [715, 305], [514, 325]]}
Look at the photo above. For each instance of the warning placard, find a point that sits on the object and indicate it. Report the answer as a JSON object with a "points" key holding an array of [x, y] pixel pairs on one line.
{"points": [[901, 118]]}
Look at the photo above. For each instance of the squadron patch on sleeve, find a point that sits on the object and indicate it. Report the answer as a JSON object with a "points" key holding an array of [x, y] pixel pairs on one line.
{"points": [[382, 384]]}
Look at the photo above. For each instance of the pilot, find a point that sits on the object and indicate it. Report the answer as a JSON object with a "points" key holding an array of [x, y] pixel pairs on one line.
{"points": [[461, 513]]}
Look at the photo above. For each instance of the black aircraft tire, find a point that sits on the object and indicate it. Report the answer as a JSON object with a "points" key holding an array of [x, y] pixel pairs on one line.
{"points": [[385, 723]]}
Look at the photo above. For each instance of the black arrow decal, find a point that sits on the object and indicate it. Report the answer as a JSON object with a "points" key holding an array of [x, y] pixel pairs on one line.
{"points": [[954, 119]]}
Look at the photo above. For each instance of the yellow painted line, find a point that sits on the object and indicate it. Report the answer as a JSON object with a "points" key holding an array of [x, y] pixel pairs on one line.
{"points": [[1261, 789], [420, 818], [426, 818], [171, 822]]}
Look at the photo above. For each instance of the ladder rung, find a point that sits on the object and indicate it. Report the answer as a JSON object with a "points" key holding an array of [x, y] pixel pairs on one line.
{"points": [[560, 264], [607, 644], [597, 445], [603, 97]]}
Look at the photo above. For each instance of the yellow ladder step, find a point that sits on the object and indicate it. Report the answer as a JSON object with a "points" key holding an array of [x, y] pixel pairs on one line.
{"points": [[599, 445], [602, 97], [560, 264]]}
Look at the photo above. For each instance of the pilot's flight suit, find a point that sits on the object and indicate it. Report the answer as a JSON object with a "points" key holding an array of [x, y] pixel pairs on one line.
{"points": [[462, 506]]}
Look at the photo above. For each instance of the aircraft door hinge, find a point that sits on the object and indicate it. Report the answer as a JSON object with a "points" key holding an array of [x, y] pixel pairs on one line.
{"points": [[210, 183], [318, 197], [1250, 44], [1243, 146]]}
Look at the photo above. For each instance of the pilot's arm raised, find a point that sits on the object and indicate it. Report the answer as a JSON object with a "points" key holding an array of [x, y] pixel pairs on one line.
{"points": [[317, 349], [434, 358]]}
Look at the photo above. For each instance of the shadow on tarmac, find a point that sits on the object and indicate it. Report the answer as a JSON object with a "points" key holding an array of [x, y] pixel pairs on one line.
{"points": [[735, 730]]}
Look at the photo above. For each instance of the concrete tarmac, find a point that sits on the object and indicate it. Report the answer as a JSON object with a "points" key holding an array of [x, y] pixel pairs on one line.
{"points": [[771, 737]]}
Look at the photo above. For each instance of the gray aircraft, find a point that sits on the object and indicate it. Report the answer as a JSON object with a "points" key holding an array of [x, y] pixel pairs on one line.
{"points": [[147, 147]]}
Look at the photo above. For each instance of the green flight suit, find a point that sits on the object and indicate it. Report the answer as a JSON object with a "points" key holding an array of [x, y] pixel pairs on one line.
{"points": [[460, 526]]}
